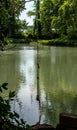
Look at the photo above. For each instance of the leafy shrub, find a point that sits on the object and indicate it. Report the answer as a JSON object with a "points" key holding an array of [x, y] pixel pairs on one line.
{"points": [[9, 120], [72, 33], [8, 40]]}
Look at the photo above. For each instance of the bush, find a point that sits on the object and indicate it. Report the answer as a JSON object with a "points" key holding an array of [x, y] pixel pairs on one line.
{"points": [[59, 42], [8, 40], [72, 33], [8, 119]]}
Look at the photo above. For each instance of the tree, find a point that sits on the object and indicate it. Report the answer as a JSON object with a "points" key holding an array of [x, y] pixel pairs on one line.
{"points": [[15, 8], [9, 13], [60, 15], [37, 23], [65, 22], [3, 18], [46, 17]]}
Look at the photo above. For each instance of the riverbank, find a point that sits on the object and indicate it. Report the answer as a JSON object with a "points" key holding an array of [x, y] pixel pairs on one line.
{"points": [[59, 42], [7, 47], [63, 42]]}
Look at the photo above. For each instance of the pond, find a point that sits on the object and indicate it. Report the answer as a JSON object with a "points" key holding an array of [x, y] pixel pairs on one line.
{"points": [[57, 82]]}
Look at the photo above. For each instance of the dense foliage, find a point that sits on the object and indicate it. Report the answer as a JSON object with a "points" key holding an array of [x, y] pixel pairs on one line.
{"points": [[52, 19], [56, 17], [9, 16], [59, 16]]}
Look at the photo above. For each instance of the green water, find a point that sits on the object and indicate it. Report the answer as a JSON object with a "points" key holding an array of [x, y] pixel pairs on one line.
{"points": [[57, 82]]}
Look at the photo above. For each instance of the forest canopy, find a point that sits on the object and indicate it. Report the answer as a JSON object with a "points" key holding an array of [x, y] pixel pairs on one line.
{"points": [[9, 16], [59, 16], [52, 18]]}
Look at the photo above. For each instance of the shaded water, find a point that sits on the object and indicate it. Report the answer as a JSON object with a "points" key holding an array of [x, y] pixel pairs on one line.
{"points": [[57, 83]]}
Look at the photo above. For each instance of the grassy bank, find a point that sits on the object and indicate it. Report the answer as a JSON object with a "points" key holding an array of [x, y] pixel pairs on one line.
{"points": [[58, 42], [51, 42]]}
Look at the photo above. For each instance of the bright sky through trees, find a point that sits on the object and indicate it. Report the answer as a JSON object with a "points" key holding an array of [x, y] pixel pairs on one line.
{"points": [[23, 16]]}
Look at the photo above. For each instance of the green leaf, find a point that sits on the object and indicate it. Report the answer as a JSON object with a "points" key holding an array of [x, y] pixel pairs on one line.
{"points": [[22, 121], [16, 114], [28, 127], [1, 90], [1, 99], [17, 121], [11, 94], [4, 86], [30, 13]]}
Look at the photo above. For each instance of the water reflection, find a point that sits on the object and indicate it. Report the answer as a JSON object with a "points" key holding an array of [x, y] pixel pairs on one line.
{"points": [[57, 83], [27, 91]]}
